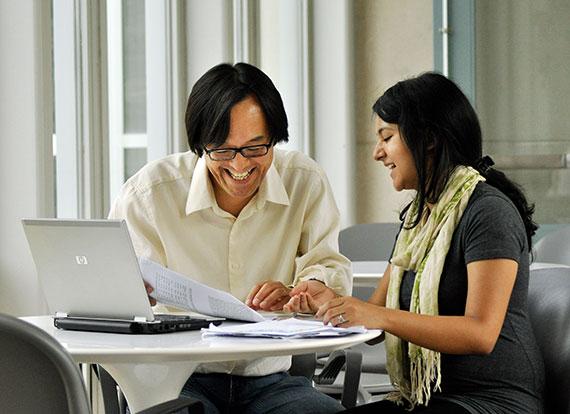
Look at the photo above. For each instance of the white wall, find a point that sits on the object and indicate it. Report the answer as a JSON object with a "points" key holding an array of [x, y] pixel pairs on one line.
{"points": [[393, 41], [208, 37], [23, 140], [333, 110]]}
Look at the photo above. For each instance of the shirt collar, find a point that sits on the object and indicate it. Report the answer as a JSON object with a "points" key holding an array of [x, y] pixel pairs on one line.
{"points": [[272, 189], [201, 194]]}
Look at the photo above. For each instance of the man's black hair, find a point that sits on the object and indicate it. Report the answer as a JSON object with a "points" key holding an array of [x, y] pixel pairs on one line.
{"points": [[215, 94]]}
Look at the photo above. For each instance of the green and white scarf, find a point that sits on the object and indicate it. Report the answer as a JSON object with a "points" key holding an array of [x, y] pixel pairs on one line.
{"points": [[423, 249]]}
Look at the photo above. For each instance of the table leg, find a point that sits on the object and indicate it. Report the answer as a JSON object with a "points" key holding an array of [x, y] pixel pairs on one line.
{"points": [[148, 384]]}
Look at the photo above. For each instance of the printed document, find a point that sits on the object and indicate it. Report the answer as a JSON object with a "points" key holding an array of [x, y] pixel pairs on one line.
{"points": [[172, 288], [282, 328]]}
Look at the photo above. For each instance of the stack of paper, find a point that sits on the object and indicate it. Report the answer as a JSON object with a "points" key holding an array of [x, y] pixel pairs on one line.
{"points": [[282, 328]]}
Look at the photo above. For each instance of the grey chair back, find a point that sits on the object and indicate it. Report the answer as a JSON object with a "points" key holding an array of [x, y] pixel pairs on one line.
{"points": [[38, 374], [554, 247], [549, 310], [369, 241]]}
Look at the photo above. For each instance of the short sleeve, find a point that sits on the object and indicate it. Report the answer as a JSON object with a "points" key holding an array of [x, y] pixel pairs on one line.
{"points": [[494, 230]]}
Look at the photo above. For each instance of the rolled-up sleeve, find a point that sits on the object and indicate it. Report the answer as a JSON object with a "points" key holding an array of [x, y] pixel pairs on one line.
{"points": [[318, 256]]}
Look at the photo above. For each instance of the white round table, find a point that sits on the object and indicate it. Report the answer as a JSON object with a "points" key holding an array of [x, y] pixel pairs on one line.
{"points": [[151, 369]]}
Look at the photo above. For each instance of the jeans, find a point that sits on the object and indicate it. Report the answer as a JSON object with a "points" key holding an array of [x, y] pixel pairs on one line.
{"points": [[277, 393], [387, 407]]}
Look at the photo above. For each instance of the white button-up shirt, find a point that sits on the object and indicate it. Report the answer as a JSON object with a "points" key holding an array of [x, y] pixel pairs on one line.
{"points": [[287, 232]]}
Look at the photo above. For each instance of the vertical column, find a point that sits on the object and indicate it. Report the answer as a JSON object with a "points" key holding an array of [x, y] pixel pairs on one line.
{"points": [[26, 159], [333, 81]]}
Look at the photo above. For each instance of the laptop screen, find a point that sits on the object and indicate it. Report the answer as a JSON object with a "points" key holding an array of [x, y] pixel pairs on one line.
{"points": [[88, 268]]}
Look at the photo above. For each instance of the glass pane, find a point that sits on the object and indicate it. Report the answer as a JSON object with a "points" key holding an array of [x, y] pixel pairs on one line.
{"points": [[134, 73], [135, 158], [522, 94], [53, 132]]}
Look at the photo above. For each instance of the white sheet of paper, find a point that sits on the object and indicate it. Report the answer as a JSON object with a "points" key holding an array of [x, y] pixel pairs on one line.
{"points": [[175, 289], [282, 328]]}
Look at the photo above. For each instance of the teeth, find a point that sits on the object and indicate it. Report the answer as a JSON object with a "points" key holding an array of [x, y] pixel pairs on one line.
{"points": [[240, 177]]}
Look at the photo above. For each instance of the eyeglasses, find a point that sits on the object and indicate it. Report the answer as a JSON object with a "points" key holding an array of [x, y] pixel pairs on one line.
{"points": [[226, 154]]}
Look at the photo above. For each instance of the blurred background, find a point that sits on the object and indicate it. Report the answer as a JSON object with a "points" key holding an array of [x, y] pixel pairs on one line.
{"points": [[92, 90]]}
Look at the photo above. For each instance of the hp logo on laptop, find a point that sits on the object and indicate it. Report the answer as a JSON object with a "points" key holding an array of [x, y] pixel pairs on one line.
{"points": [[81, 260]]}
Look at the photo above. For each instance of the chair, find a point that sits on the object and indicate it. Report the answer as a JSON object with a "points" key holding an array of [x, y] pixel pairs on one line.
{"points": [[363, 242], [549, 311], [39, 375], [348, 359], [554, 247], [369, 241]]}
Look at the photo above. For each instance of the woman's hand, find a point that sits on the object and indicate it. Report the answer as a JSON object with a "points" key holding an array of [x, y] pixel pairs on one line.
{"points": [[347, 311]]}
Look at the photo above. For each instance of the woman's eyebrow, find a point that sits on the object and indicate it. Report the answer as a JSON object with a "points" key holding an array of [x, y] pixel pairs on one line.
{"points": [[384, 128]]}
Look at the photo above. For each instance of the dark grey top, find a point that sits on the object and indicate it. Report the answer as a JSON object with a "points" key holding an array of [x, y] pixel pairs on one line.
{"points": [[511, 378]]}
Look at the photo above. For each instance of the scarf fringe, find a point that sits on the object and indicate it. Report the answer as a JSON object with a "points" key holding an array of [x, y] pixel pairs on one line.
{"points": [[425, 370]]}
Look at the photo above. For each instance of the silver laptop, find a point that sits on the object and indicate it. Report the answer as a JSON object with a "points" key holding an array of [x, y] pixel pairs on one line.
{"points": [[91, 278]]}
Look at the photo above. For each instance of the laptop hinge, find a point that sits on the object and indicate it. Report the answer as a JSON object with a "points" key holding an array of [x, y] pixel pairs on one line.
{"points": [[140, 319], [61, 314]]}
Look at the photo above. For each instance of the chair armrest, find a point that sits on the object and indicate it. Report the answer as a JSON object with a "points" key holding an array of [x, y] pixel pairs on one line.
{"points": [[173, 406], [352, 362], [377, 340]]}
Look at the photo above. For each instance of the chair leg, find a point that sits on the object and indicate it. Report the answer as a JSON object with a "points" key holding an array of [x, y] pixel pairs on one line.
{"points": [[122, 401], [109, 391]]}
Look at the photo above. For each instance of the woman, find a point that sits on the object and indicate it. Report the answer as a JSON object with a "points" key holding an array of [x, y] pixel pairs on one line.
{"points": [[453, 299]]}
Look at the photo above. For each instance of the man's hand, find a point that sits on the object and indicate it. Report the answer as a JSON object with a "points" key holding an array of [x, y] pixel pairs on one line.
{"points": [[149, 290], [269, 296], [307, 296]]}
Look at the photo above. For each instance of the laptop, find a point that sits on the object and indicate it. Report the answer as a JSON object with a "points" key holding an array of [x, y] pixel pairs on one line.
{"points": [[90, 276]]}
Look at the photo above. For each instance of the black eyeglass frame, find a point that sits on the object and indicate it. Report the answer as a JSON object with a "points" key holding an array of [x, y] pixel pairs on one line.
{"points": [[234, 152]]}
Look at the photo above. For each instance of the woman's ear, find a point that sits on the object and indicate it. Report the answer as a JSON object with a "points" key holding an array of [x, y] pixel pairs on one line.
{"points": [[432, 143]]}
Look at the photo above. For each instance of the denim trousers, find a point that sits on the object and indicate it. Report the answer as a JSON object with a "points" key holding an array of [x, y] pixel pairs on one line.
{"points": [[278, 393]]}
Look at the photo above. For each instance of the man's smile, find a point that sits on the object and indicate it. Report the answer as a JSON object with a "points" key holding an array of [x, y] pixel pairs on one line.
{"points": [[240, 176]]}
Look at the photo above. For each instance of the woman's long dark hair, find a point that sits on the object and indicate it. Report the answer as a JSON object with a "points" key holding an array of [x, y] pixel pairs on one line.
{"points": [[440, 127]]}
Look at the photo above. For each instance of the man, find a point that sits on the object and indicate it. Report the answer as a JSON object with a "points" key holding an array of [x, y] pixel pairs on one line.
{"points": [[246, 218]]}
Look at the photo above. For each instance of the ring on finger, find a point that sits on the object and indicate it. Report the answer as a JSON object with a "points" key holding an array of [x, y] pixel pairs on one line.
{"points": [[341, 319]]}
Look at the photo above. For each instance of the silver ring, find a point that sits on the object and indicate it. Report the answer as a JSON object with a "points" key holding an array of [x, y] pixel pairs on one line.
{"points": [[341, 319]]}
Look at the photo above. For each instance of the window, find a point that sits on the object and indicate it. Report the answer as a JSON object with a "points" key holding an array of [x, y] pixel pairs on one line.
{"points": [[117, 99], [126, 70]]}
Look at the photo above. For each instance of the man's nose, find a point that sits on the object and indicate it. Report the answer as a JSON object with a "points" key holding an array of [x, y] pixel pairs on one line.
{"points": [[239, 162]]}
